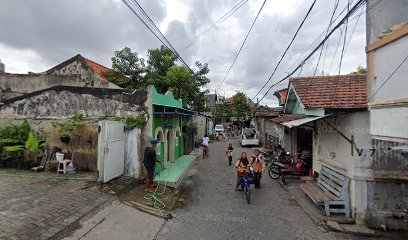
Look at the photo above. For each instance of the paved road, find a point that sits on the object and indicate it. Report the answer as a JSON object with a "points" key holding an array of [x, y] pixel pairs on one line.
{"points": [[118, 221], [213, 210], [35, 207]]}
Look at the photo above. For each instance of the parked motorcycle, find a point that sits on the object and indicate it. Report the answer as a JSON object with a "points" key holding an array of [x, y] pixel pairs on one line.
{"points": [[293, 164], [268, 155]]}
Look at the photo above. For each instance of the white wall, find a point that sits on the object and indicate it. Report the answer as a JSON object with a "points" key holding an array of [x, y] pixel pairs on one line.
{"points": [[386, 60], [332, 150], [133, 157]]}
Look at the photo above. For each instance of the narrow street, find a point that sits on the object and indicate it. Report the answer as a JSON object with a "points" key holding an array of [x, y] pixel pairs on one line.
{"points": [[213, 210]]}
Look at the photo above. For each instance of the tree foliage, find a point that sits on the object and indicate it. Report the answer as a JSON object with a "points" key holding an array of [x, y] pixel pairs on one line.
{"points": [[159, 62], [130, 71], [241, 108], [360, 70]]}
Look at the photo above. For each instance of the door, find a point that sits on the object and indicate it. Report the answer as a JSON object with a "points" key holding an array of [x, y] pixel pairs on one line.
{"points": [[111, 150]]}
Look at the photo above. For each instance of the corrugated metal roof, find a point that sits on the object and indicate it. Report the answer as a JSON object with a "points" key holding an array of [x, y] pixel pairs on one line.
{"points": [[298, 122]]}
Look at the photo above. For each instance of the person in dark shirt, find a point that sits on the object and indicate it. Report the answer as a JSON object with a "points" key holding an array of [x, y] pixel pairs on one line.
{"points": [[149, 162]]}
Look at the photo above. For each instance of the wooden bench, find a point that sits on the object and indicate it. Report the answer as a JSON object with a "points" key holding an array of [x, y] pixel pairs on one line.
{"points": [[331, 191]]}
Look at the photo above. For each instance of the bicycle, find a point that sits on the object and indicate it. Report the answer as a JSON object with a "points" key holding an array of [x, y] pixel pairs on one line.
{"points": [[205, 151], [246, 182]]}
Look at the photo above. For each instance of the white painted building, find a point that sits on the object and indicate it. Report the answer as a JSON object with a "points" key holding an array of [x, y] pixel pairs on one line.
{"points": [[328, 115], [387, 44]]}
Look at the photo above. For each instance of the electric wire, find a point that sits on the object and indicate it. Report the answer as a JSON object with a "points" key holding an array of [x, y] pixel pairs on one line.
{"points": [[334, 98], [388, 78], [243, 43], [336, 4], [287, 48], [220, 20], [352, 11], [151, 26]]}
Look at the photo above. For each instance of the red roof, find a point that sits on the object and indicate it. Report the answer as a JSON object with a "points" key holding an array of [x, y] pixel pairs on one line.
{"points": [[340, 91], [98, 69], [281, 95], [286, 118]]}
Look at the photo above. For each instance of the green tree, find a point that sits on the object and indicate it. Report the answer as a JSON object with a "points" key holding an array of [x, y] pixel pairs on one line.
{"points": [[360, 70], [241, 108], [185, 85], [222, 110], [159, 62], [128, 69]]}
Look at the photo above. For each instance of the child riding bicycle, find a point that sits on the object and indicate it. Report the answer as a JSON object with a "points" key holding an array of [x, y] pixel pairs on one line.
{"points": [[205, 142], [242, 171]]}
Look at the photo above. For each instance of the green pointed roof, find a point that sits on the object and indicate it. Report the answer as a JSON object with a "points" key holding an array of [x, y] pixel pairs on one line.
{"points": [[165, 99]]}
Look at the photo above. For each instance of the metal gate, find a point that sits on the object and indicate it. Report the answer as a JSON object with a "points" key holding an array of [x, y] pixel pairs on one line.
{"points": [[111, 150]]}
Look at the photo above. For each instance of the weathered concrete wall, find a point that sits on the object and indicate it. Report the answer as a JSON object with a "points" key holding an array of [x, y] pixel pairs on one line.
{"points": [[133, 157], [83, 144], [201, 125], [63, 102], [78, 67], [332, 150], [387, 190], [389, 121], [386, 59], [384, 15], [14, 85], [388, 196], [43, 107]]}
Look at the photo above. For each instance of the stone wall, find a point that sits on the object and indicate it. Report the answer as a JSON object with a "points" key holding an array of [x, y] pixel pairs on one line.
{"points": [[14, 85], [58, 103], [76, 66], [62, 102]]}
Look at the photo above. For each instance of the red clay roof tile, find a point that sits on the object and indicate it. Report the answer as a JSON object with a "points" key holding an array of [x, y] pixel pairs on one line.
{"points": [[286, 118], [99, 69], [339, 91]]}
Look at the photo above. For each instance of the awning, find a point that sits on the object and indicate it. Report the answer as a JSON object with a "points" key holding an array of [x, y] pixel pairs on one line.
{"points": [[298, 122]]}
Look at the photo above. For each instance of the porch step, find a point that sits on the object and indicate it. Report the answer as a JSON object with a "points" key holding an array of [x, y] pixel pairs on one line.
{"points": [[176, 171]]}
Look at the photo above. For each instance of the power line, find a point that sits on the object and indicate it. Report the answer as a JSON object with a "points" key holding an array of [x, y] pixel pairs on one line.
{"points": [[316, 40], [221, 19], [158, 30], [243, 43], [287, 48], [341, 56], [358, 5], [388, 78], [336, 4], [148, 22]]}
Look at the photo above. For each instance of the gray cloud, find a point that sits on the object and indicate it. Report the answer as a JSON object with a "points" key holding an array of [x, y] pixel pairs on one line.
{"points": [[57, 30]]}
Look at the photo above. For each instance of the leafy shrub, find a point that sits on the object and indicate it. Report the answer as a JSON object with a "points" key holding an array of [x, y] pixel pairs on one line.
{"points": [[66, 127], [131, 121], [18, 141]]}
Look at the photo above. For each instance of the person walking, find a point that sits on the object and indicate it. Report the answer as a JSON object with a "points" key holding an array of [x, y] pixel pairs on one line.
{"points": [[149, 161], [258, 164], [230, 153]]}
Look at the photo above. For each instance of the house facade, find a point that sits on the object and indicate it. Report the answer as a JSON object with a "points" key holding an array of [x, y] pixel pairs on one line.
{"points": [[328, 115], [387, 41], [77, 71], [261, 117]]}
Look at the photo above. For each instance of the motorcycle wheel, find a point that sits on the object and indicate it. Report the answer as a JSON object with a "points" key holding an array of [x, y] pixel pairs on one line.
{"points": [[248, 195], [274, 172]]}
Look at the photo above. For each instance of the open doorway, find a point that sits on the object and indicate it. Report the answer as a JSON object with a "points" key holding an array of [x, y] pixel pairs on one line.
{"points": [[305, 144]]}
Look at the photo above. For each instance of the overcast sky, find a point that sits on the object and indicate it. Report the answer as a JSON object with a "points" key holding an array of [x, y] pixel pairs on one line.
{"points": [[37, 35]]}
